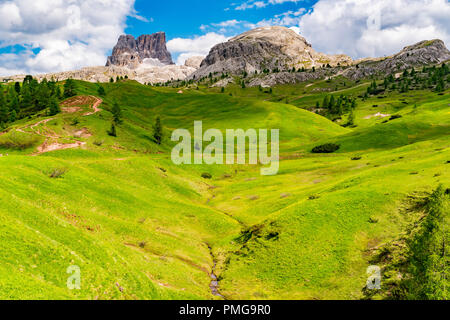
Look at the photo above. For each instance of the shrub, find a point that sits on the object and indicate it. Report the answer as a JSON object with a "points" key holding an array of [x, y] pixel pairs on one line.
{"points": [[98, 143], [373, 220], [206, 175], [57, 173], [326, 148], [18, 140], [395, 116]]}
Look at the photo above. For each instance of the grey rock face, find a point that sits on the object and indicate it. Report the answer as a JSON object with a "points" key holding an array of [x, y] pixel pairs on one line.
{"points": [[420, 54], [130, 52], [235, 57], [265, 48]]}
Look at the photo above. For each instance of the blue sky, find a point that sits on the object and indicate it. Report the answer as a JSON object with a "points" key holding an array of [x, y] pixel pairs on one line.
{"points": [[180, 18], [42, 36]]}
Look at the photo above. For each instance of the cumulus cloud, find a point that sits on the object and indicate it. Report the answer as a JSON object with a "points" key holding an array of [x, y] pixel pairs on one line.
{"points": [[363, 28], [60, 35], [197, 46]]}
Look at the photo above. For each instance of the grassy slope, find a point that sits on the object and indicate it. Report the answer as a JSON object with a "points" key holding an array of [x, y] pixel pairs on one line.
{"points": [[139, 232], [115, 213]]}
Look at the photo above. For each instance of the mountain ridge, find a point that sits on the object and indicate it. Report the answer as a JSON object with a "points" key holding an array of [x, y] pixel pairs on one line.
{"points": [[264, 56]]}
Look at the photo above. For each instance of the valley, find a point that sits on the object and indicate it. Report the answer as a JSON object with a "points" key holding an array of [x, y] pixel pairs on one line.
{"points": [[140, 227], [88, 180]]}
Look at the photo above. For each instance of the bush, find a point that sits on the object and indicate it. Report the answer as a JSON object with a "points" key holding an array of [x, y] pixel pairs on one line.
{"points": [[57, 173], [98, 143], [326, 148], [18, 140], [206, 175], [395, 116]]}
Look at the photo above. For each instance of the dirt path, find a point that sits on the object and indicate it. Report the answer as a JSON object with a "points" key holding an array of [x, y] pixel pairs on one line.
{"points": [[49, 147], [95, 106]]}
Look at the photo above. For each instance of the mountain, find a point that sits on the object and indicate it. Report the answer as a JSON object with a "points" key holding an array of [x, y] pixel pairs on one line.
{"points": [[266, 48], [424, 53], [420, 54], [267, 55], [130, 52]]}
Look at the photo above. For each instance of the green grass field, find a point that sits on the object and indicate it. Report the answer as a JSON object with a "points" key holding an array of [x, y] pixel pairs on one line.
{"points": [[140, 227]]}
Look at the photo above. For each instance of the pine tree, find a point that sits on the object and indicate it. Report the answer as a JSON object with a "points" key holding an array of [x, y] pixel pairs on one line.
{"points": [[325, 103], [54, 107], [117, 113], [17, 87], [332, 104], [351, 118], [4, 110], [43, 95], [112, 132], [157, 131], [14, 104], [69, 88], [101, 90], [13, 116]]}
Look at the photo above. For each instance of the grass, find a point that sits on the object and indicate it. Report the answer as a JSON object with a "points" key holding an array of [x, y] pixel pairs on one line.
{"points": [[18, 141], [140, 227]]}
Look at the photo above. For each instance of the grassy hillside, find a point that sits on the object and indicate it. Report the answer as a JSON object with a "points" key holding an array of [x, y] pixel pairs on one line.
{"points": [[140, 227]]}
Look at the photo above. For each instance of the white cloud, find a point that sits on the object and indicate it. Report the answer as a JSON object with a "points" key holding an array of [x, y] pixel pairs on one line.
{"points": [[197, 46], [250, 4], [66, 35], [363, 28], [286, 19]]}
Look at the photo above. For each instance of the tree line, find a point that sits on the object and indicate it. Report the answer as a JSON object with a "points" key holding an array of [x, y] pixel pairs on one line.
{"points": [[21, 100]]}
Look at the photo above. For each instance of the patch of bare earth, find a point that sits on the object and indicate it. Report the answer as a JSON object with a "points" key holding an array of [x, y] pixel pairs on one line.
{"points": [[48, 147]]}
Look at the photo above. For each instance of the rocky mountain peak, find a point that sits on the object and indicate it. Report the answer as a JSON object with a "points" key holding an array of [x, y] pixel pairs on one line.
{"points": [[266, 48], [130, 52]]}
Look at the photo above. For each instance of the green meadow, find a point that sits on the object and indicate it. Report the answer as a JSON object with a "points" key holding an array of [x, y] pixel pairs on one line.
{"points": [[140, 227]]}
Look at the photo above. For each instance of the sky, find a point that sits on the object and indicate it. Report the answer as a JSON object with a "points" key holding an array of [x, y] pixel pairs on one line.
{"points": [[40, 36]]}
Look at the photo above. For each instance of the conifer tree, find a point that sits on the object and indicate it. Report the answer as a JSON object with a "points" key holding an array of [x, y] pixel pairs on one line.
{"points": [[13, 116], [4, 110], [157, 131], [54, 106], [69, 88], [117, 113], [17, 87], [112, 132], [325, 103], [101, 90]]}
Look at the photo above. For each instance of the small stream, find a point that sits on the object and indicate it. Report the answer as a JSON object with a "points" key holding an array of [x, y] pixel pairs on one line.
{"points": [[214, 284]]}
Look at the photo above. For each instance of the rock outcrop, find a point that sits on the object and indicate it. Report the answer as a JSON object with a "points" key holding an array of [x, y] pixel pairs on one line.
{"points": [[130, 52], [194, 62], [266, 48], [420, 54], [424, 53]]}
